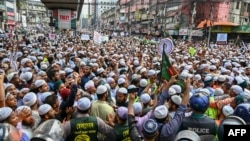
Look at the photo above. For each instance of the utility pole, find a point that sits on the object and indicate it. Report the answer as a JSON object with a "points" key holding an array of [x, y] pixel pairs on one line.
{"points": [[192, 22], [211, 23]]}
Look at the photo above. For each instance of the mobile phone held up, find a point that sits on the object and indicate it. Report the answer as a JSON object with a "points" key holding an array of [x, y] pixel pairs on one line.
{"points": [[133, 90]]}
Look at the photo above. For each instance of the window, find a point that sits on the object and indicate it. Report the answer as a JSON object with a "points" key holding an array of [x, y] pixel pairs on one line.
{"points": [[232, 19], [237, 5]]}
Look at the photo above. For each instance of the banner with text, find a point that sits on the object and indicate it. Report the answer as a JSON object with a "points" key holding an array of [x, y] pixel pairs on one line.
{"points": [[52, 36], [97, 37], [85, 37], [64, 19]]}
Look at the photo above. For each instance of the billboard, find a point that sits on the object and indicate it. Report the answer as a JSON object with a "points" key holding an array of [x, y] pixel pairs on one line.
{"points": [[64, 18]]}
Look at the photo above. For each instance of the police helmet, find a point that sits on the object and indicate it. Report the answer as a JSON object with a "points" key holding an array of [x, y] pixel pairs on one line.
{"points": [[230, 120], [8, 132], [187, 135], [243, 110], [199, 102], [50, 130]]}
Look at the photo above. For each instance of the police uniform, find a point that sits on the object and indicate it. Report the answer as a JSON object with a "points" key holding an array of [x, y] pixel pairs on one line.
{"points": [[200, 124], [122, 132], [86, 127]]}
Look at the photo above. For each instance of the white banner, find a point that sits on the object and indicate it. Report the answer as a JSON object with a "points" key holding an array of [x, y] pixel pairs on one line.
{"points": [[183, 31], [105, 38], [221, 37], [97, 37], [64, 19], [85, 37]]}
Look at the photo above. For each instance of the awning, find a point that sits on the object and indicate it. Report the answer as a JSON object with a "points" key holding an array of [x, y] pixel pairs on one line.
{"points": [[9, 22], [207, 23]]}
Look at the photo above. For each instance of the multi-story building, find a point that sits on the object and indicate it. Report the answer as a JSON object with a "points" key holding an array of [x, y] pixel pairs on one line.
{"points": [[10, 14], [156, 16], [36, 13], [219, 10], [2, 14], [239, 12]]}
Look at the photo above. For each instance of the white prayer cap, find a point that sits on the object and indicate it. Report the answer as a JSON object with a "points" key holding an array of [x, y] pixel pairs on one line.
{"points": [[45, 95], [89, 84], [101, 89], [20, 108], [121, 81], [197, 77], [137, 107], [177, 88], [29, 99], [100, 70], [145, 98], [160, 112], [236, 89], [5, 113], [227, 110], [171, 91], [83, 103], [176, 99], [11, 76], [143, 83], [44, 109], [123, 90], [222, 78], [26, 76], [151, 72], [39, 83]]}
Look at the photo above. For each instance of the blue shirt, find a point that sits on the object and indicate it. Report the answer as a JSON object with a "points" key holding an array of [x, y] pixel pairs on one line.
{"points": [[169, 130], [24, 137]]}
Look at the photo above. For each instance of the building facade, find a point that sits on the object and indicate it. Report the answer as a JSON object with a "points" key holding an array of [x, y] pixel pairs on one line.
{"points": [[36, 14], [239, 12], [155, 17], [2, 14], [10, 6]]}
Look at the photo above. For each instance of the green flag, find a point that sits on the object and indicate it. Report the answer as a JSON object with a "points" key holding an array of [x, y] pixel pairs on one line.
{"points": [[167, 70], [165, 66], [192, 51]]}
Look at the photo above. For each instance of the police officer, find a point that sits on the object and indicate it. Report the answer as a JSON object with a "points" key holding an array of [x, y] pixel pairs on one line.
{"points": [[242, 111], [9, 132], [85, 127], [230, 120], [198, 122], [187, 135], [121, 129]]}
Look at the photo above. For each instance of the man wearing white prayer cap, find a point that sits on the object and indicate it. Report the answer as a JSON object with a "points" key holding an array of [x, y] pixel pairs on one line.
{"points": [[121, 97], [42, 87], [101, 103], [27, 122], [46, 112], [235, 90], [30, 99], [28, 78], [145, 99], [91, 89], [5, 112]]}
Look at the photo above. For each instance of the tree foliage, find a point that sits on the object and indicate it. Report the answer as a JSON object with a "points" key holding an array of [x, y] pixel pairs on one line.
{"points": [[20, 4]]}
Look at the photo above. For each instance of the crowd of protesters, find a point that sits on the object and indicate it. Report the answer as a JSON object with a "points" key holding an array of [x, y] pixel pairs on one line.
{"points": [[114, 91]]}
